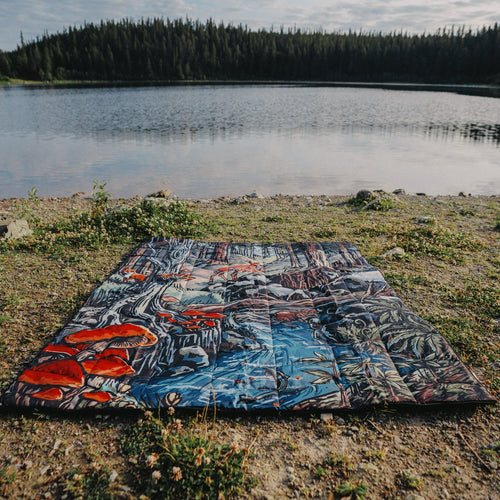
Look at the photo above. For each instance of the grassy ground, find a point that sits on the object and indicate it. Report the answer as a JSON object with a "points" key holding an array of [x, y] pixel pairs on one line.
{"points": [[448, 275]]}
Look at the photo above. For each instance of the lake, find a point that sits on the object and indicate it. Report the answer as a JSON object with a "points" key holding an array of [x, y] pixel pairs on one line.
{"points": [[206, 141]]}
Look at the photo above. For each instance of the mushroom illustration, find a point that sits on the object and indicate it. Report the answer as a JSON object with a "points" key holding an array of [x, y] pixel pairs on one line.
{"points": [[100, 396], [59, 348], [52, 394], [122, 336], [121, 353], [61, 372], [112, 366]]}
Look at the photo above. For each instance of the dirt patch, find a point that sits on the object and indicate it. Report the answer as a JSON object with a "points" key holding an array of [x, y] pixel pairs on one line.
{"points": [[395, 452]]}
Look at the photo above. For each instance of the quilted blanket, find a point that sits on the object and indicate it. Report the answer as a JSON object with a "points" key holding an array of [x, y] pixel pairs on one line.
{"points": [[297, 326]]}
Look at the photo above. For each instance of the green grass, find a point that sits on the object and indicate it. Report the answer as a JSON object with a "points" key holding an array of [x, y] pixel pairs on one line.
{"points": [[174, 462], [104, 225], [378, 204], [93, 484], [352, 491]]}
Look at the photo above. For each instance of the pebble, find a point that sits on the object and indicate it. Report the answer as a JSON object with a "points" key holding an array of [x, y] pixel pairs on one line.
{"points": [[290, 469], [326, 417], [257, 195], [340, 421], [394, 252]]}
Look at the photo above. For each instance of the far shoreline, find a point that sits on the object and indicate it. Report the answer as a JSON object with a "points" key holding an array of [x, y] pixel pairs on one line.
{"points": [[475, 89]]}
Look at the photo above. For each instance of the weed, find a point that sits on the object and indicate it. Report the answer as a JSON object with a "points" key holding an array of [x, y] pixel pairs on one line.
{"points": [[92, 485], [274, 218], [100, 196], [356, 491], [321, 472], [408, 481], [178, 463], [327, 234], [4, 318], [341, 463], [403, 279], [103, 226], [437, 241], [483, 300], [24, 208], [376, 454], [378, 204]]}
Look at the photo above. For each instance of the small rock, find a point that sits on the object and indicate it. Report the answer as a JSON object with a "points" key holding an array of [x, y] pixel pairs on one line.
{"points": [[364, 194], [340, 421], [371, 468], [399, 191], [326, 417], [290, 470], [43, 470], [424, 220], [158, 201], [394, 252], [257, 195], [420, 194], [462, 194], [412, 496], [15, 229], [164, 193], [113, 476]]}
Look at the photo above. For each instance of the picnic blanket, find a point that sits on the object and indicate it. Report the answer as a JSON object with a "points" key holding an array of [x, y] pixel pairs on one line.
{"points": [[298, 326]]}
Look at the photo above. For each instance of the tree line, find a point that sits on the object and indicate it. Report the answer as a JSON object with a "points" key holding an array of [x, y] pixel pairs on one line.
{"points": [[182, 49]]}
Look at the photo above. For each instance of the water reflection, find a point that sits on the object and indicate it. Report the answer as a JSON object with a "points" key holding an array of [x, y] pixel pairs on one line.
{"points": [[223, 140]]}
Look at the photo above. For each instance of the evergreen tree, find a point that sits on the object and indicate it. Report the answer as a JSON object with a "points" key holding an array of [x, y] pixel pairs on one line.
{"points": [[157, 49]]}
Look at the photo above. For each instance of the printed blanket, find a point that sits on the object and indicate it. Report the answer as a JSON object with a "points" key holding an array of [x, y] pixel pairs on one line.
{"points": [[299, 326]]}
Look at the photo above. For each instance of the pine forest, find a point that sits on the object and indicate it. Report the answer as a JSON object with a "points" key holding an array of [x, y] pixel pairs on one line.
{"points": [[182, 49]]}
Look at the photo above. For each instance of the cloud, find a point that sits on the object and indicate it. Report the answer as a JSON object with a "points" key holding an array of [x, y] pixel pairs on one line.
{"points": [[34, 17]]}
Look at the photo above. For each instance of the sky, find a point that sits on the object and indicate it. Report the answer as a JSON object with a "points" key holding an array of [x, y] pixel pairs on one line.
{"points": [[35, 17]]}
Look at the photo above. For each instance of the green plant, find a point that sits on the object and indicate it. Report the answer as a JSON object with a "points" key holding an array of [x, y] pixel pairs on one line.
{"points": [[356, 491], [174, 462], [408, 481], [440, 242], [99, 195], [320, 472], [94, 484], [104, 226], [274, 218], [4, 318], [341, 463], [24, 208], [483, 300], [373, 202]]}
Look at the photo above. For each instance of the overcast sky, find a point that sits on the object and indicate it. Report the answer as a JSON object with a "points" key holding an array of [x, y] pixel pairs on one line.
{"points": [[34, 17]]}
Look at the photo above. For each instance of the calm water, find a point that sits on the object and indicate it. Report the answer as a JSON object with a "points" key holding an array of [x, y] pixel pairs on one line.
{"points": [[209, 141]]}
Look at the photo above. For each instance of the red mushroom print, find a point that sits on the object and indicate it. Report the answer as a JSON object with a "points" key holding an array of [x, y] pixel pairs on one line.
{"points": [[193, 313], [109, 367], [121, 353], [52, 394], [119, 336], [214, 315], [60, 372], [59, 348], [99, 396]]}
